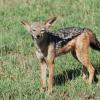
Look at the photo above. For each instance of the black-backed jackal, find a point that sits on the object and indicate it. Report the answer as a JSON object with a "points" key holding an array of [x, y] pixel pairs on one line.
{"points": [[52, 44]]}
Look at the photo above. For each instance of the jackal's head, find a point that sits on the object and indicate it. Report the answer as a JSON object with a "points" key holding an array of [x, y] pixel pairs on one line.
{"points": [[37, 29]]}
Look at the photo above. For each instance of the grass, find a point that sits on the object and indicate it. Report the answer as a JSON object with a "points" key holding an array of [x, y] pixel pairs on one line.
{"points": [[19, 70]]}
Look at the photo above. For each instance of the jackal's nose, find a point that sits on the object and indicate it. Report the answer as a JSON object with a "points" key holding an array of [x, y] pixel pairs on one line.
{"points": [[38, 36]]}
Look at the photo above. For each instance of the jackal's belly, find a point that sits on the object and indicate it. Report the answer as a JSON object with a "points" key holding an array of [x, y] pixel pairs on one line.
{"points": [[61, 51], [62, 48]]}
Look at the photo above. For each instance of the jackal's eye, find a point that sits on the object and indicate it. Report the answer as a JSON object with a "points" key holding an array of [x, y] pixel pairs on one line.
{"points": [[33, 30], [43, 30]]}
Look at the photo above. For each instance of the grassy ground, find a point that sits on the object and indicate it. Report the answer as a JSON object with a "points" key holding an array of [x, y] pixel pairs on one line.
{"points": [[19, 70]]}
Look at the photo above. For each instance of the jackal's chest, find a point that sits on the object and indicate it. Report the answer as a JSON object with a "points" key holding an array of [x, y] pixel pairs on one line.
{"points": [[39, 54]]}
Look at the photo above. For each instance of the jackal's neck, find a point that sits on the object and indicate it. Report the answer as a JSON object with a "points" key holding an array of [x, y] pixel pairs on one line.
{"points": [[41, 45]]}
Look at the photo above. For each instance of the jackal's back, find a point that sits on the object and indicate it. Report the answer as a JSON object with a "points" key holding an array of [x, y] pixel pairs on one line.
{"points": [[70, 32], [64, 35]]}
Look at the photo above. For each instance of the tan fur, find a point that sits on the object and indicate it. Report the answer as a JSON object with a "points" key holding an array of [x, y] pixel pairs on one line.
{"points": [[78, 46]]}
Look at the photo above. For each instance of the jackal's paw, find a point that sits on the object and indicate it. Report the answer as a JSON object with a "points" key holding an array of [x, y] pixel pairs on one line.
{"points": [[84, 77], [89, 82], [49, 91], [42, 89]]}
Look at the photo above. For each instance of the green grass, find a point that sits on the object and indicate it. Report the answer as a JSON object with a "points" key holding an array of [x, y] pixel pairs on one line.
{"points": [[19, 70]]}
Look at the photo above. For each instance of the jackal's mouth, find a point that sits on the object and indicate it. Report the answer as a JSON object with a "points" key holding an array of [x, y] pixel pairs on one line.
{"points": [[37, 38]]}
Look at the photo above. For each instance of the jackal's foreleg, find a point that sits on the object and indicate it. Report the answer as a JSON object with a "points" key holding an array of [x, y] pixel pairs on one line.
{"points": [[51, 76], [43, 69], [50, 62]]}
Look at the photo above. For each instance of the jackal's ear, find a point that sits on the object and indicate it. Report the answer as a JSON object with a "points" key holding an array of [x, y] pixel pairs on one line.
{"points": [[27, 25], [50, 21]]}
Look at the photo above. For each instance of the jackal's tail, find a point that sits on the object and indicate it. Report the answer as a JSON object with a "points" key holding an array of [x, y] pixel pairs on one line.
{"points": [[94, 43]]}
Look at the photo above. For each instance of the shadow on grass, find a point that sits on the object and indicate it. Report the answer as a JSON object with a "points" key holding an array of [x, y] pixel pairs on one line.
{"points": [[72, 74]]}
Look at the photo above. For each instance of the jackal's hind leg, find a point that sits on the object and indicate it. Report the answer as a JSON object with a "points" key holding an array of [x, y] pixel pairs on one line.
{"points": [[83, 67], [84, 59], [84, 72]]}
